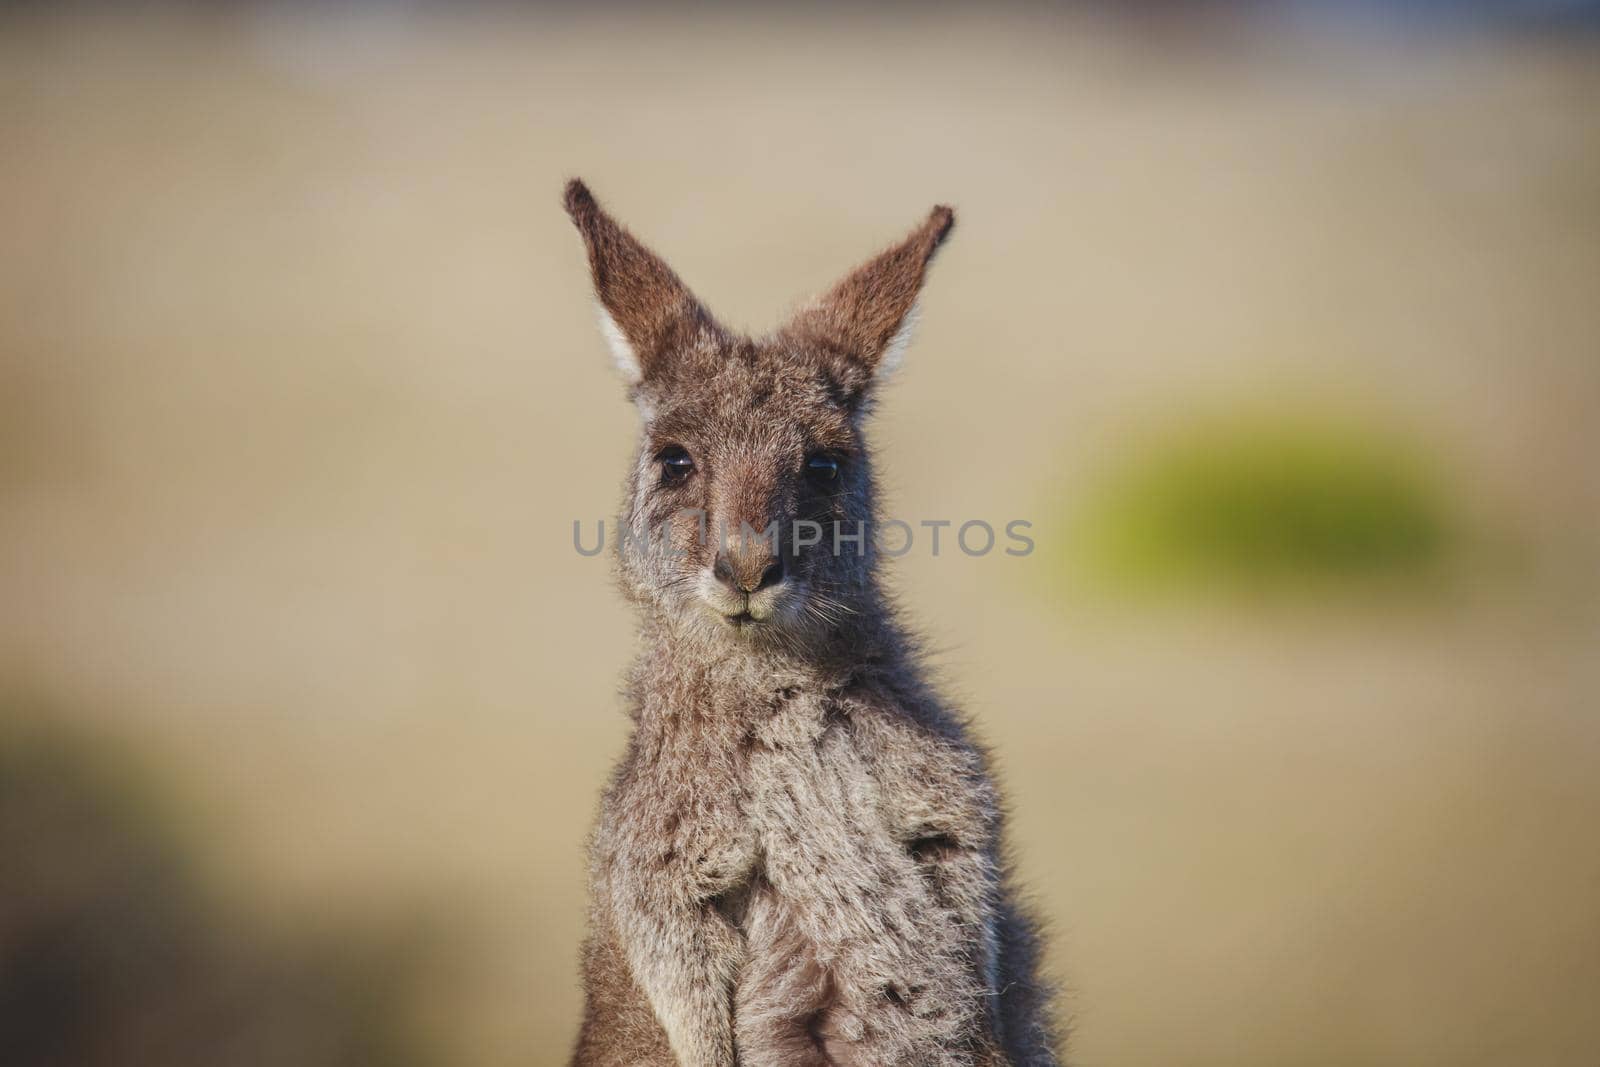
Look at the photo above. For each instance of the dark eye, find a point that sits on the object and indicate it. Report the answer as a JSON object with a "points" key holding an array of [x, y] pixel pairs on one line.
{"points": [[676, 465], [822, 467]]}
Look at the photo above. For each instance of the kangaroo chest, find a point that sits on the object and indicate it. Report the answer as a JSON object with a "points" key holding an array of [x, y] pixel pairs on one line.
{"points": [[841, 924], [819, 818], [799, 833], [788, 811]]}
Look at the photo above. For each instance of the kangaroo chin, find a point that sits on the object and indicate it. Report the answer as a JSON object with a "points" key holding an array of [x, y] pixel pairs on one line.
{"points": [[798, 860]]}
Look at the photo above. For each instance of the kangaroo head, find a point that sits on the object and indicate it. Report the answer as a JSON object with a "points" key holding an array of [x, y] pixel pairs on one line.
{"points": [[751, 481]]}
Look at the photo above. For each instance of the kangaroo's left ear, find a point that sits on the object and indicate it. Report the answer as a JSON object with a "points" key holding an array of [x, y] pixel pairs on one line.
{"points": [[862, 325]]}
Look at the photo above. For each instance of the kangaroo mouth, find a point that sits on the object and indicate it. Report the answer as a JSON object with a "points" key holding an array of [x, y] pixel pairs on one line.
{"points": [[746, 612]]}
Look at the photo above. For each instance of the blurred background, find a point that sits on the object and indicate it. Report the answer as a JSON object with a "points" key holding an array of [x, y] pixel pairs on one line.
{"points": [[1278, 321]]}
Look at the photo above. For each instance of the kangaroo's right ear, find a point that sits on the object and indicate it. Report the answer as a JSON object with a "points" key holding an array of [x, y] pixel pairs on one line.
{"points": [[646, 313]]}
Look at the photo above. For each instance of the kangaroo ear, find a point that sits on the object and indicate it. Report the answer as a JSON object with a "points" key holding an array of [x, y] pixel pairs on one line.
{"points": [[862, 325], [646, 313]]}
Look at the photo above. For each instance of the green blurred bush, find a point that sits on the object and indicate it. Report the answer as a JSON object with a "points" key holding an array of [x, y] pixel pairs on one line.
{"points": [[1269, 500]]}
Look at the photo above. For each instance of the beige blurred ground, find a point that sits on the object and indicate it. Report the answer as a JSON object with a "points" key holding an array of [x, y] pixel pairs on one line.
{"points": [[301, 394]]}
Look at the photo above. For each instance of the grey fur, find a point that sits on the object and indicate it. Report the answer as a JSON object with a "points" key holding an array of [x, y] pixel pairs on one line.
{"points": [[798, 860]]}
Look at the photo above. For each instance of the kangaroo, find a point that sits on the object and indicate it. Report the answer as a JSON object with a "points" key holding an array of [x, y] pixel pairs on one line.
{"points": [[798, 860]]}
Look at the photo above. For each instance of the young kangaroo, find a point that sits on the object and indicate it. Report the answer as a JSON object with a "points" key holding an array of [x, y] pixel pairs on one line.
{"points": [[798, 860]]}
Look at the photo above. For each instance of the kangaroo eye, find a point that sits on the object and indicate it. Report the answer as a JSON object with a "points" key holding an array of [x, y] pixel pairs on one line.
{"points": [[676, 464], [822, 468]]}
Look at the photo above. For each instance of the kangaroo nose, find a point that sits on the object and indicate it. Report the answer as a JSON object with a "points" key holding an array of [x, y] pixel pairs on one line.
{"points": [[747, 572]]}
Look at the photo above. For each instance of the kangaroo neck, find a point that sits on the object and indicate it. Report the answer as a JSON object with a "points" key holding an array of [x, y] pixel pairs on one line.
{"points": [[685, 669]]}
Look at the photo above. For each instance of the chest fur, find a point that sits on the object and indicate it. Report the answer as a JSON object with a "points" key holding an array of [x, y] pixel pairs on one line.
{"points": [[807, 829], [799, 807]]}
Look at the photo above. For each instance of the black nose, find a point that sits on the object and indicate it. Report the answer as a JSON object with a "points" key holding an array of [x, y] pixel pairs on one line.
{"points": [[747, 572]]}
